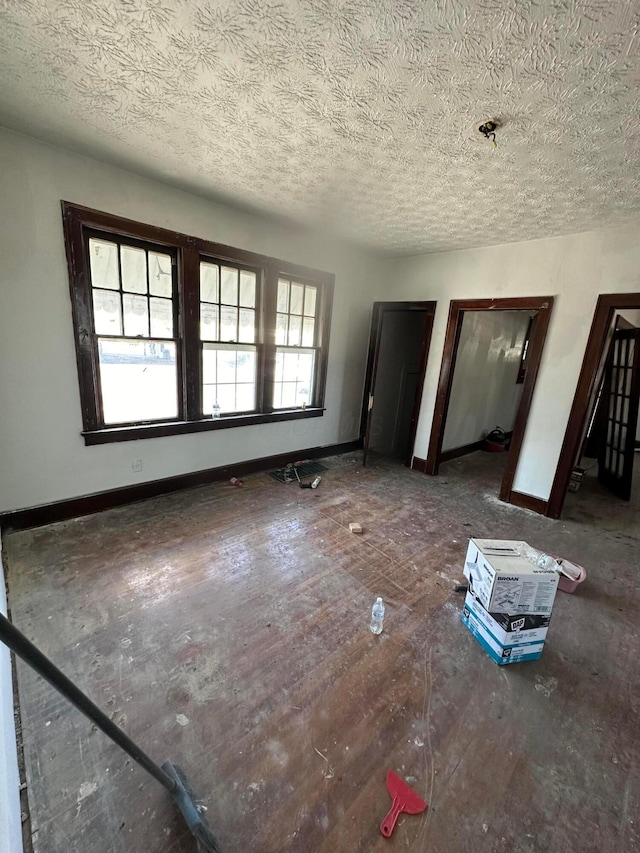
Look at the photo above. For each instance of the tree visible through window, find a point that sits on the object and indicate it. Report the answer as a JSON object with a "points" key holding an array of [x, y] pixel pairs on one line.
{"points": [[168, 325]]}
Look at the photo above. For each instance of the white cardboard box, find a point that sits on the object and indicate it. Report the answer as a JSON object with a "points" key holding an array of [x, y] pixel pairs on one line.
{"points": [[506, 582], [502, 655], [509, 630]]}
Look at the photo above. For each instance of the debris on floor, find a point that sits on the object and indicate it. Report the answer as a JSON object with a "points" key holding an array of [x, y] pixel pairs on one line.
{"points": [[377, 616], [313, 485], [509, 601], [572, 575], [577, 476], [496, 441], [355, 527], [292, 472]]}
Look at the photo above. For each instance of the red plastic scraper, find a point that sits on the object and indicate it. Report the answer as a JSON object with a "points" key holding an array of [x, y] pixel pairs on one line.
{"points": [[404, 800]]}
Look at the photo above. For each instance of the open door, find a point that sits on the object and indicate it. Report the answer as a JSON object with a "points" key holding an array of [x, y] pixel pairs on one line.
{"points": [[597, 420], [367, 431], [586, 391], [370, 380], [620, 398], [419, 316]]}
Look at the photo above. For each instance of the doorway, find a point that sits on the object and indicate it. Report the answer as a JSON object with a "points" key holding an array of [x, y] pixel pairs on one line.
{"points": [[609, 360], [396, 367], [538, 306]]}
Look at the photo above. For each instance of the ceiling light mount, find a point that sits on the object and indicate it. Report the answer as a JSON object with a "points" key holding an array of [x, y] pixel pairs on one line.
{"points": [[488, 130]]}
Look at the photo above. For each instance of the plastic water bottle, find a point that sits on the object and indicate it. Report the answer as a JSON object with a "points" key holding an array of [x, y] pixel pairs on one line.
{"points": [[377, 616], [215, 410], [529, 553], [545, 561]]}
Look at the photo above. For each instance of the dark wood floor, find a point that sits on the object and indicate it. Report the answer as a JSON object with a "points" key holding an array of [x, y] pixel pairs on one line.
{"points": [[594, 505], [227, 629]]}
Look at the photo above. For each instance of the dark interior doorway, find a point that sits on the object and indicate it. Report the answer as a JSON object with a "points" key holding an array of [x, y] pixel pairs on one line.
{"points": [[541, 306], [607, 367], [397, 362]]}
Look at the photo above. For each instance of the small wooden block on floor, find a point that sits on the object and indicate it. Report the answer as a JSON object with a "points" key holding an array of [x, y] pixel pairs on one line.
{"points": [[354, 527]]}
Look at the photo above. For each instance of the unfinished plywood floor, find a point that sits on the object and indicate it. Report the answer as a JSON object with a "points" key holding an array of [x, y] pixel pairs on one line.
{"points": [[227, 629]]}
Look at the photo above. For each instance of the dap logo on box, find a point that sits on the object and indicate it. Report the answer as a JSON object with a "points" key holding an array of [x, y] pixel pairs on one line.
{"points": [[518, 624]]}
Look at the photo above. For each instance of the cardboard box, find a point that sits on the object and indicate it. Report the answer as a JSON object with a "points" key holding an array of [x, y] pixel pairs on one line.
{"points": [[506, 582], [502, 655], [509, 630]]}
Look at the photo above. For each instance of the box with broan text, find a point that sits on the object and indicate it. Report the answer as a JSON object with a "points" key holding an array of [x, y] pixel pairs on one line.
{"points": [[504, 581]]}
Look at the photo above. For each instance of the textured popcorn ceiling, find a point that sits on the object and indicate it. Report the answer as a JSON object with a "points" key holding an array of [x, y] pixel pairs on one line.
{"points": [[359, 115]]}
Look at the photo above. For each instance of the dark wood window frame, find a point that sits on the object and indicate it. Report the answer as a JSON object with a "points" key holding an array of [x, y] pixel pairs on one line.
{"points": [[80, 221]]}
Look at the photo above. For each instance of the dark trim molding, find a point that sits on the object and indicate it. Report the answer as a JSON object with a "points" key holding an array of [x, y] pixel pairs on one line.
{"points": [[418, 464], [87, 504], [528, 502], [543, 305], [134, 433], [594, 352], [448, 455]]}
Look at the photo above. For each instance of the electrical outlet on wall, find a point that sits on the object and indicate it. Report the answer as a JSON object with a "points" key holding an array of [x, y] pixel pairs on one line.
{"points": [[136, 466]]}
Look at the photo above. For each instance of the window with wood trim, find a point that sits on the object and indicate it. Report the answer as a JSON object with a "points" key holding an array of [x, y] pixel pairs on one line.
{"points": [[170, 327], [229, 336], [133, 296], [296, 327]]}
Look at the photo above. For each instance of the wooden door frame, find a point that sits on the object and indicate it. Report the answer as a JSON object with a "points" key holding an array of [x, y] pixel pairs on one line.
{"points": [[543, 305], [375, 336], [606, 307]]}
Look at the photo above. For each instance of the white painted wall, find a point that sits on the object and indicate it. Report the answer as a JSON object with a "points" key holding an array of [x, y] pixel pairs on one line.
{"points": [[42, 455], [10, 820], [484, 392], [631, 315], [574, 269]]}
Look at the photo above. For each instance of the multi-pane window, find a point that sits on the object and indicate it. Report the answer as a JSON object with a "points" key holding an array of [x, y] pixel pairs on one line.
{"points": [[228, 335], [132, 292], [170, 328], [296, 329]]}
